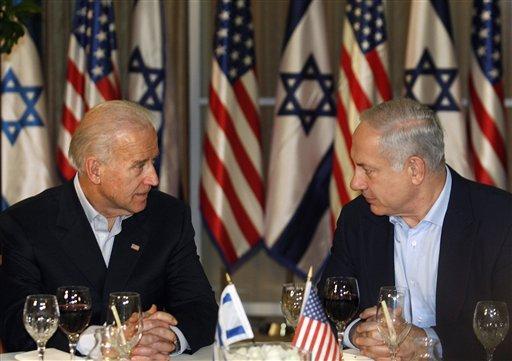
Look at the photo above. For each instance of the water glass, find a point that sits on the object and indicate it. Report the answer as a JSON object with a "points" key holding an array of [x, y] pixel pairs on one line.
{"points": [[125, 314], [490, 323], [41, 319], [292, 297]]}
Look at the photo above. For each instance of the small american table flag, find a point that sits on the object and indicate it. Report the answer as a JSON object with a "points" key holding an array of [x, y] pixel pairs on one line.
{"points": [[314, 333]]}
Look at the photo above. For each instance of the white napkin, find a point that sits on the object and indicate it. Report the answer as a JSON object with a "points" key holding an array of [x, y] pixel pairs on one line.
{"points": [[50, 354]]}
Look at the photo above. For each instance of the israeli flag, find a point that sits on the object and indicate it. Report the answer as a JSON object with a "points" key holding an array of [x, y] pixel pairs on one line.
{"points": [[233, 325]]}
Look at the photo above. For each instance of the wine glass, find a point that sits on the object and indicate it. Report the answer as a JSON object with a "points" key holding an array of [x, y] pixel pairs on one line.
{"points": [[75, 307], [124, 312], [41, 318], [341, 301], [490, 323], [291, 302], [393, 316], [426, 349]]}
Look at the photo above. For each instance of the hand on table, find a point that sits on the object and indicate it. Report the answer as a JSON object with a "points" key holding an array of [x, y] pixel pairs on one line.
{"points": [[158, 340], [367, 338]]}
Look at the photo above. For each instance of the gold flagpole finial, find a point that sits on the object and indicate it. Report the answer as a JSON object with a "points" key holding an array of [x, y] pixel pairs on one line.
{"points": [[310, 273], [228, 279]]}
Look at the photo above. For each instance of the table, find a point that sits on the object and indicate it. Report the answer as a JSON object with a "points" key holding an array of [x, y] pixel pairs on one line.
{"points": [[204, 354]]}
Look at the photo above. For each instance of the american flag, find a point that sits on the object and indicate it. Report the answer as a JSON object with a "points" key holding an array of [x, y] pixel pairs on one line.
{"points": [[364, 82], [487, 113], [92, 73], [231, 190], [314, 333]]}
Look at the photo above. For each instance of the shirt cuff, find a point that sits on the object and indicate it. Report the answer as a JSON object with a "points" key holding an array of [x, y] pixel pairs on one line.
{"points": [[346, 336], [183, 341], [86, 341], [431, 333]]}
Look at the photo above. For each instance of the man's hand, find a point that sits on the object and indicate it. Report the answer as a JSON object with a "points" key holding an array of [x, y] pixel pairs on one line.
{"points": [[158, 340], [367, 338]]}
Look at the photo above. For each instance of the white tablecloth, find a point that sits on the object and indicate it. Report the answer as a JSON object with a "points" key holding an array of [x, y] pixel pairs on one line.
{"points": [[204, 354]]}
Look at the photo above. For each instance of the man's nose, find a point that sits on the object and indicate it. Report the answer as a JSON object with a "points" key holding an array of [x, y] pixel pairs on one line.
{"points": [[358, 183], [152, 177]]}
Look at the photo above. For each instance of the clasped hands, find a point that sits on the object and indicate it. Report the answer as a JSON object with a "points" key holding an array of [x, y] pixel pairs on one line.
{"points": [[158, 340], [367, 338]]}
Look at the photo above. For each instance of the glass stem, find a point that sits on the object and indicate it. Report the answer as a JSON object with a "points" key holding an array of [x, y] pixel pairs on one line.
{"points": [[73, 339], [340, 328], [490, 354], [41, 346]]}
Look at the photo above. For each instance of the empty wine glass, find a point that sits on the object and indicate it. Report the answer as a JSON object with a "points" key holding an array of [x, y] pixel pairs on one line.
{"points": [[75, 308], [490, 323], [341, 300], [292, 297], [124, 312], [393, 316], [41, 319]]}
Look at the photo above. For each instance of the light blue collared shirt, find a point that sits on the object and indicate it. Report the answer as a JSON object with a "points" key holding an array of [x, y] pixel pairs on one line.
{"points": [[99, 223], [416, 257]]}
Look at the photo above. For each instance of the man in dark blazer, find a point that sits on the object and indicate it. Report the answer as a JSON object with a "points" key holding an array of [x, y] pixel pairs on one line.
{"points": [[398, 153], [109, 230]]}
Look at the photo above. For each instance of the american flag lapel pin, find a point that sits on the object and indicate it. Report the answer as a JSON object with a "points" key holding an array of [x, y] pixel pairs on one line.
{"points": [[135, 247]]}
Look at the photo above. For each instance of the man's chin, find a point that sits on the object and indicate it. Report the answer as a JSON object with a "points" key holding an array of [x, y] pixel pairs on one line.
{"points": [[378, 211]]}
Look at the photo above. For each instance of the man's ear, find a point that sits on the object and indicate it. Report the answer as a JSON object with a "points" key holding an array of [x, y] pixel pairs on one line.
{"points": [[416, 167], [93, 169]]}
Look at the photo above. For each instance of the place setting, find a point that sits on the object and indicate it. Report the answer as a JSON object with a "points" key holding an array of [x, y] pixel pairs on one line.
{"points": [[70, 311]]}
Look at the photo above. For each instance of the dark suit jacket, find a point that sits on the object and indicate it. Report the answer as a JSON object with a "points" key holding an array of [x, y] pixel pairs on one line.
{"points": [[475, 261], [48, 242]]}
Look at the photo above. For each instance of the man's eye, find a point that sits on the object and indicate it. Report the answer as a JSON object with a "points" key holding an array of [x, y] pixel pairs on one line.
{"points": [[368, 171]]}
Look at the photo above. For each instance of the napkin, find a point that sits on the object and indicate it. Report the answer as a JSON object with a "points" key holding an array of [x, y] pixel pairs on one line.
{"points": [[50, 354]]}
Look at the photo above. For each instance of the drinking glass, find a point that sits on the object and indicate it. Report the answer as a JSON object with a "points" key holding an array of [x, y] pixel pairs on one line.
{"points": [[128, 321], [393, 316], [426, 349], [291, 302], [341, 300], [105, 348], [75, 307], [490, 323], [41, 318]]}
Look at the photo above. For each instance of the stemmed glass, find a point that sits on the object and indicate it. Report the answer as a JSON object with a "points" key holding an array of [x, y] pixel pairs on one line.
{"points": [[124, 312], [41, 318], [75, 307], [341, 300], [490, 323], [292, 297], [393, 316]]}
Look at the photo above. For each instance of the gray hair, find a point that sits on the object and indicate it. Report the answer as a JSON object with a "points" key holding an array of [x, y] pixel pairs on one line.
{"points": [[98, 129], [408, 128]]}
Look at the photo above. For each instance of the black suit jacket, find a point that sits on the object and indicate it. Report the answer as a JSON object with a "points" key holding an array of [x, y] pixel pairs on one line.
{"points": [[475, 261], [48, 242]]}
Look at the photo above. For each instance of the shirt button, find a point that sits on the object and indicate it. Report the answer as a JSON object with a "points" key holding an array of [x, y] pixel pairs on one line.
{"points": [[414, 243]]}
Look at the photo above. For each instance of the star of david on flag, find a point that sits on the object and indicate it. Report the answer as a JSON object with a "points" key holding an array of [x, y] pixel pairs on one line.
{"points": [[444, 78], [318, 86], [29, 116]]}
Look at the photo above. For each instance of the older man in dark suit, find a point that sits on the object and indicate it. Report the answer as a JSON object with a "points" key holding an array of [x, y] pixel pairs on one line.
{"points": [[420, 225], [109, 230]]}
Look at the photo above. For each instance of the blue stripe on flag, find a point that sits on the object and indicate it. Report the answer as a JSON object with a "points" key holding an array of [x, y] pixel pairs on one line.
{"points": [[295, 13], [443, 12], [219, 335], [239, 330], [5, 205], [296, 237]]}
